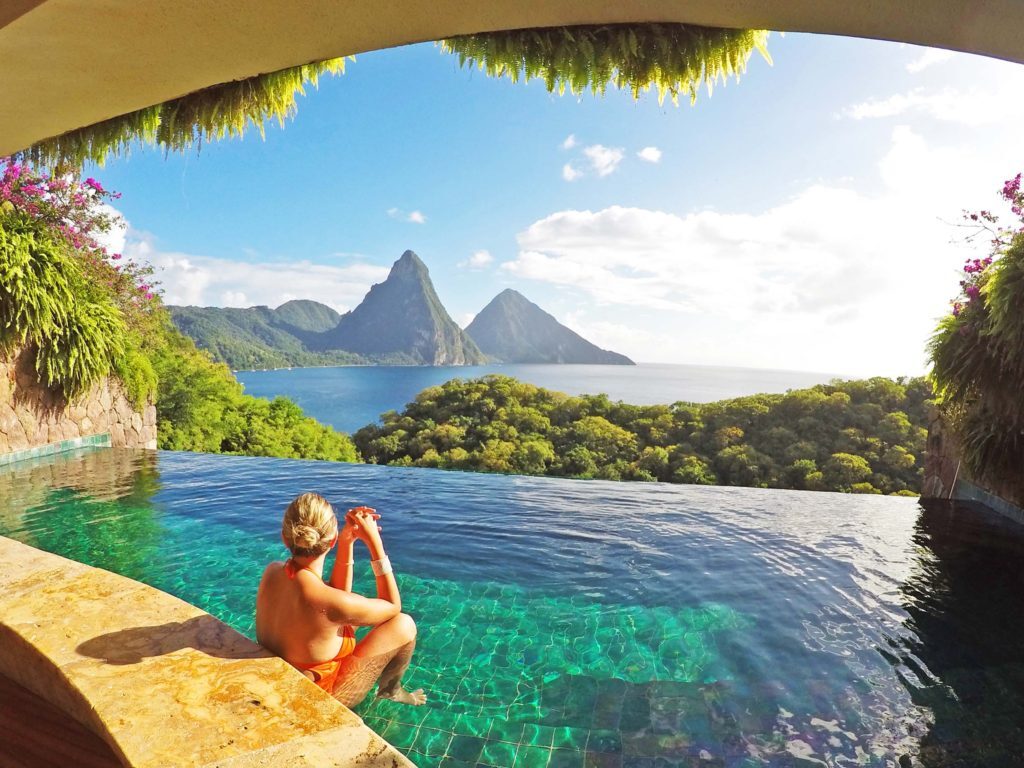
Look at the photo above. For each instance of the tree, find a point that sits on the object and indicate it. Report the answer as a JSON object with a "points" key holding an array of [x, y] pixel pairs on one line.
{"points": [[843, 470], [579, 462], [743, 465], [654, 461], [533, 457], [606, 441], [802, 474], [693, 471]]}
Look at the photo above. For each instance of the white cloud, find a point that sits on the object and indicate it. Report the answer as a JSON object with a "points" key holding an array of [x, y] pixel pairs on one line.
{"points": [[604, 160], [569, 173], [831, 279], [928, 57], [114, 239], [209, 281], [570, 141], [478, 260], [991, 101], [650, 154], [615, 336], [414, 217], [234, 299]]}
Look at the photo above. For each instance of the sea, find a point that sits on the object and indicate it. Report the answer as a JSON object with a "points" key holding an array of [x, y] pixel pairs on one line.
{"points": [[350, 397]]}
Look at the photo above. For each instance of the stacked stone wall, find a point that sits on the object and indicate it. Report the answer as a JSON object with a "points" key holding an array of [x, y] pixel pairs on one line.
{"points": [[941, 462], [946, 477], [32, 415]]}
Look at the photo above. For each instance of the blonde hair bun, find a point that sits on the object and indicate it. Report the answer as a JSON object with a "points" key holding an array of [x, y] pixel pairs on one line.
{"points": [[309, 525]]}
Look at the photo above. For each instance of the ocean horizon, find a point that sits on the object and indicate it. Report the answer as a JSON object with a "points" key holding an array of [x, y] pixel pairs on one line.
{"points": [[349, 397]]}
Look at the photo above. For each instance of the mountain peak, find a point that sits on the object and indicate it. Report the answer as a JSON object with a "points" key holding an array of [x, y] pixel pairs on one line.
{"points": [[515, 330], [409, 262], [403, 319], [510, 294]]}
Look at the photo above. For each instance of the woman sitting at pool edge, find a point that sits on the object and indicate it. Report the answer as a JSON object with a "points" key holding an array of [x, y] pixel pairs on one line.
{"points": [[310, 624]]}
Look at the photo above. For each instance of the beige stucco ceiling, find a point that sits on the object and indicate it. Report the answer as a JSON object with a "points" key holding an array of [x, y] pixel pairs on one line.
{"points": [[69, 63]]}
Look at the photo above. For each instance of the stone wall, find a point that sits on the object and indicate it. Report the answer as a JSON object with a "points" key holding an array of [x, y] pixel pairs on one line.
{"points": [[945, 477], [941, 461], [31, 415]]}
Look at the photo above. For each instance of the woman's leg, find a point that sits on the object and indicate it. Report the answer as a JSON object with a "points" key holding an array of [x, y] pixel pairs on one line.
{"points": [[384, 653]]}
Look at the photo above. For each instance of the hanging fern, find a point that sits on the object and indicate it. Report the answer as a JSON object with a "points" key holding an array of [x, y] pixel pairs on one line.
{"points": [[37, 281], [977, 368], [209, 114], [47, 304], [77, 354], [673, 59]]}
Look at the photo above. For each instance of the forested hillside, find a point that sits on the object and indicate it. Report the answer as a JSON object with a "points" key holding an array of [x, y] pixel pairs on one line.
{"points": [[858, 436], [261, 337]]}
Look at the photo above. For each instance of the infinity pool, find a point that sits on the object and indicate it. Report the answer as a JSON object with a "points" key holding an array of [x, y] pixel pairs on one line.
{"points": [[573, 623]]}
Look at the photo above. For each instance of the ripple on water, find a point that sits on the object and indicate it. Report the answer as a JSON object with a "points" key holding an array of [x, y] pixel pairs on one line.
{"points": [[564, 622]]}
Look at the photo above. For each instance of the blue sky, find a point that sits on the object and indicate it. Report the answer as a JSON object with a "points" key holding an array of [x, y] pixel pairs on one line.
{"points": [[800, 218]]}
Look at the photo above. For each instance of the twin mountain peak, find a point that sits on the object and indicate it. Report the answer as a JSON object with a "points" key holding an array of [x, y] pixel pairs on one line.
{"points": [[401, 320]]}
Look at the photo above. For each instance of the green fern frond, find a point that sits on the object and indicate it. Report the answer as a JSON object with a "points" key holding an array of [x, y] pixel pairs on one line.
{"points": [[219, 111], [672, 59], [46, 303], [977, 368]]}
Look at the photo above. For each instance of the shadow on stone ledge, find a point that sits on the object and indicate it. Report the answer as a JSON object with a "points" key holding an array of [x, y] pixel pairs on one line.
{"points": [[203, 633]]}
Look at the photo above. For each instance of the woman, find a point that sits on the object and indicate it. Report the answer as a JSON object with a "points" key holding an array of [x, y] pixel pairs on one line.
{"points": [[310, 624]]}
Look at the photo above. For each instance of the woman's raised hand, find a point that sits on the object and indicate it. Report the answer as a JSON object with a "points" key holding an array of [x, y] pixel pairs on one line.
{"points": [[363, 521], [347, 533]]}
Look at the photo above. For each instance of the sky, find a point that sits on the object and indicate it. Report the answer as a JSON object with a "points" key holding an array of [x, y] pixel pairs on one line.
{"points": [[804, 218]]}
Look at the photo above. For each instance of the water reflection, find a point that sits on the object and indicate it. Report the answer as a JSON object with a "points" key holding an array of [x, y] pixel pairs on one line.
{"points": [[92, 502], [964, 601]]}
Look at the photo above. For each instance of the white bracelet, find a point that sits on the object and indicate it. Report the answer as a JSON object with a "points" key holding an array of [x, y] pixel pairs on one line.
{"points": [[381, 567]]}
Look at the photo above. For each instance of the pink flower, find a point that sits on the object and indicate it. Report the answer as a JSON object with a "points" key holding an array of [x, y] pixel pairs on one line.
{"points": [[1011, 187]]}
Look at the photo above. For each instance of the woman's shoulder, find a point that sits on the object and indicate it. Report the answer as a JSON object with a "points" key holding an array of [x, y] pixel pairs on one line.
{"points": [[271, 569]]}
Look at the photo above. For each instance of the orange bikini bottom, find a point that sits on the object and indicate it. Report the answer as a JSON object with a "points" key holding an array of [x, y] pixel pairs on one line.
{"points": [[325, 673]]}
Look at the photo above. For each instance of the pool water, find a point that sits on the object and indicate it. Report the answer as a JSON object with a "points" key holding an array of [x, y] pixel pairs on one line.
{"points": [[586, 623]]}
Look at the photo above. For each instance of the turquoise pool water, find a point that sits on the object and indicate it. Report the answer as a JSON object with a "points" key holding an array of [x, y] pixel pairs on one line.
{"points": [[571, 623]]}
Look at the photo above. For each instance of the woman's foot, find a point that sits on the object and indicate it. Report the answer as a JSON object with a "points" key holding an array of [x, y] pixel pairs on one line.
{"points": [[402, 696]]}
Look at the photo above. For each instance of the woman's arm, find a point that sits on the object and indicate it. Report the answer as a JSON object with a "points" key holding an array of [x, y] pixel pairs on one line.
{"points": [[341, 575], [367, 531]]}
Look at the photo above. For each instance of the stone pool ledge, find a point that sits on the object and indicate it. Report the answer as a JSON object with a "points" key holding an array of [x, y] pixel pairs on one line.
{"points": [[160, 680]]}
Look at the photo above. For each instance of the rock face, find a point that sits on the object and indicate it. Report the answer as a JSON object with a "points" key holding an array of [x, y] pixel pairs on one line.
{"points": [[32, 416], [512, 329], [402, 320], [946, 476]]}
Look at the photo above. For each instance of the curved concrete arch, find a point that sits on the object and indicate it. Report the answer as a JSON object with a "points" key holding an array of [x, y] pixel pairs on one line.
{"points": [[66, 65]]}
